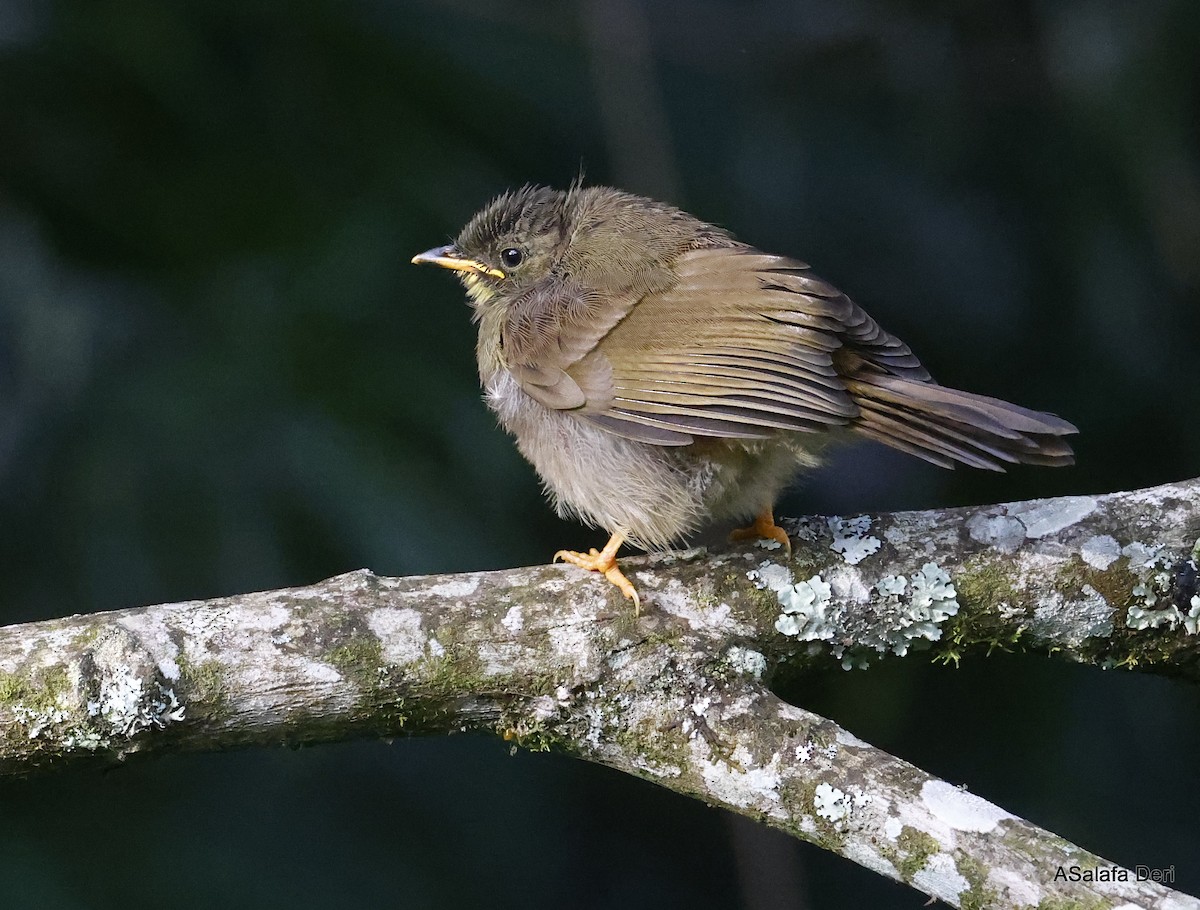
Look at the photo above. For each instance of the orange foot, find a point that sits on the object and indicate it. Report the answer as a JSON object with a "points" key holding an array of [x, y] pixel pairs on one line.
{"points": [[604, 561], [764, 527]]}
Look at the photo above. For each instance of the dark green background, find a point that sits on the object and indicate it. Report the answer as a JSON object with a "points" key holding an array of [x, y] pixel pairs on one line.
{"points": [[218, 373]]}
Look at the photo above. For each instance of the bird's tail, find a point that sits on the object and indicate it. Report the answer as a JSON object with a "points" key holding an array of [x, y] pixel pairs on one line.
{"points": [[944, 426]]}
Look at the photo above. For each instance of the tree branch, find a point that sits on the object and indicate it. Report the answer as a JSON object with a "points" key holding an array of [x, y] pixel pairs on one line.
{"points": [[551, 658]]}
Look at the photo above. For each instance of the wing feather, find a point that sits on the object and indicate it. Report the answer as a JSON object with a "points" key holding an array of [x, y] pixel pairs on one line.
{"points": [[743, 345]]}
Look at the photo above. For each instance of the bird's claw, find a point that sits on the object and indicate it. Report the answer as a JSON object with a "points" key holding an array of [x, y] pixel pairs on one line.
{"points": [[606, 564], [764, 528]]}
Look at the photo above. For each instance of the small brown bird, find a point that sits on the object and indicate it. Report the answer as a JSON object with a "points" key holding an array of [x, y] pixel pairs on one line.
{"points": [[658, 373]]}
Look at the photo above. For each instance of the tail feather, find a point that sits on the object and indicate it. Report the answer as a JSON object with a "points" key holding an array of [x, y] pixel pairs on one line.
{"points": [[944, 425], [918, 429]]}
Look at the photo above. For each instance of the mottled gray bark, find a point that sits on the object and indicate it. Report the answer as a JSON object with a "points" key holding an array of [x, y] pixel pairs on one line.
{"points": [[552, 658]]}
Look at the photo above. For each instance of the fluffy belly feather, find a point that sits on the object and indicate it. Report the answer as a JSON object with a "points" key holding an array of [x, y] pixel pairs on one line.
{"points": [[653, 495]]}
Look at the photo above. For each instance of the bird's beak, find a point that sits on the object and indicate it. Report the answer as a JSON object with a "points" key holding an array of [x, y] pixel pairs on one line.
{"points": [[449, 258]]}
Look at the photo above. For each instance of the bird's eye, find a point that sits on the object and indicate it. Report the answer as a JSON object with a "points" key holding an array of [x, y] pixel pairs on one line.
{"points": [[512, 257]]}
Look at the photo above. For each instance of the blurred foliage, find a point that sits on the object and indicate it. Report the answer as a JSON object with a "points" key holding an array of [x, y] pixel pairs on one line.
{"points": [[218, 373]]}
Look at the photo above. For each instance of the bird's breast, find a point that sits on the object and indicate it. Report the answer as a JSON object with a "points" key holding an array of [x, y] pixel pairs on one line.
{"points": [[619, 484]]}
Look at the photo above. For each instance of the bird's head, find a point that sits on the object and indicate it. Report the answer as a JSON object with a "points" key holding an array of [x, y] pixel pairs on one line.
{"points": [[514, 241], [595, 237]]}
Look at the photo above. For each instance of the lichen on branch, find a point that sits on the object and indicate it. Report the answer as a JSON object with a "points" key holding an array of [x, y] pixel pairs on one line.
{"points": [[552, 658]]}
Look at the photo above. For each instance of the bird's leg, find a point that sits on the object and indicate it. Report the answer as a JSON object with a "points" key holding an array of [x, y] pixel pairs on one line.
{"points": [[604, 561], [764, 527]]}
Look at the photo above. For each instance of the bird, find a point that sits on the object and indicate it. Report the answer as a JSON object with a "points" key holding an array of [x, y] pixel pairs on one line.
{"points": [[659, 374]]}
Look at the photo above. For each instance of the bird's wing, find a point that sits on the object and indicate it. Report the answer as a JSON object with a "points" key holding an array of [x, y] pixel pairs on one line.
{"points": [[549, 329], [741, 345]]}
